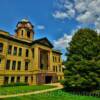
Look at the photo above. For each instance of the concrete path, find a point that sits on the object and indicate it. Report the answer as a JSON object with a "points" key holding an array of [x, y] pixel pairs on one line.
{"points": [[59, 86]]}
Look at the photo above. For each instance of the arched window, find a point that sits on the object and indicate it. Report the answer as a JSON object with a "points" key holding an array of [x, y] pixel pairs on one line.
{"points": [[28, 34], [22, 32]]}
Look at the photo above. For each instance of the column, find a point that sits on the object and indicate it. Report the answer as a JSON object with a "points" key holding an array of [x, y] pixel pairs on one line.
{"points": [[50, 61], [36, 58]]}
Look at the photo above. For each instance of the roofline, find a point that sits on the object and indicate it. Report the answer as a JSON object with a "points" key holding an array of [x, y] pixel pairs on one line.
{"points": [[25, 22], [38, 41], [4, 31], [14, 39], [24, 42], [56, 51]]}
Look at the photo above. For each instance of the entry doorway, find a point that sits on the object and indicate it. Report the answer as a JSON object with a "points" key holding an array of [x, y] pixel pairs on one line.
{"points": [[48, 79]]}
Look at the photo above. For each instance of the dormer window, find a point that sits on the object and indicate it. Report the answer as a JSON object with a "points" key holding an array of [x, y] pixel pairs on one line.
{"points": [[28, 34]]}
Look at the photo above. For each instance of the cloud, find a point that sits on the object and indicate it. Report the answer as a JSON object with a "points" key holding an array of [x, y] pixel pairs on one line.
{"points": [[83, 11], [40, 27], [67, 10], [60, 15], [63, 42]]}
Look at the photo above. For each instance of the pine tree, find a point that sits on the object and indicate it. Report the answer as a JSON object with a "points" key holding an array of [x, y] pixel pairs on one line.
{"points": [[83, 63]]}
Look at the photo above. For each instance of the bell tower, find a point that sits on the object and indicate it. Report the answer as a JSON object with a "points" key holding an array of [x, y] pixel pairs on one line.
{"points": [[24, 30]]}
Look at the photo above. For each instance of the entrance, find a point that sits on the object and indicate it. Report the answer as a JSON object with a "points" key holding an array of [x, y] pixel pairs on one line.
{"points": [[48, 79]]}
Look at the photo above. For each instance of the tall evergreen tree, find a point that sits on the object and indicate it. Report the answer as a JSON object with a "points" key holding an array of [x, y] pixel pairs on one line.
{"points": [[83, 63]]}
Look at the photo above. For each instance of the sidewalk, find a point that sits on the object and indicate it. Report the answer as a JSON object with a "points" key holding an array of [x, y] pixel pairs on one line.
{"points": [[36, 92]]}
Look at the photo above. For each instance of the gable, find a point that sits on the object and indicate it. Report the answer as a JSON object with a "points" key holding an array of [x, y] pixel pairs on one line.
{"points": [[44, 41]]}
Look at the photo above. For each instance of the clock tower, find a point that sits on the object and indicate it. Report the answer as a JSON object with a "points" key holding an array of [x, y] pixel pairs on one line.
{"points": [[24, 30]]}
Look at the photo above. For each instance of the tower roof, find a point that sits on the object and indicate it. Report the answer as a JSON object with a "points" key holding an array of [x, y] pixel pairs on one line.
{"points": [[25, 20], [24, 23]]}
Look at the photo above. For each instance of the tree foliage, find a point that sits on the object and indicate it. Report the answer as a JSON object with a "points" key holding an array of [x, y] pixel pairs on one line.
{"points": [[83, 61]]}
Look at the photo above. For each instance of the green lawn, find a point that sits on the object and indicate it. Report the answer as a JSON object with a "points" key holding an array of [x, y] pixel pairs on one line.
{"points": [[22, 89], [56, 95]]}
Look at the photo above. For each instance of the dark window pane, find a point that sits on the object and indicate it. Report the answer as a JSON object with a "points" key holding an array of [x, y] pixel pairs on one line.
{"points": [[53, 58], [9, 49], [33, 52], [28, 34], [22, 33], [19, 65], [27, 52], [12, 79], [18, 79], [20, 52], [26, 65], [1, 47], [15, 51], [59, 59], [26, 79], [6, 79], [0, 61], [14, 65], [8, 65], [54, 68], [59, 68]]}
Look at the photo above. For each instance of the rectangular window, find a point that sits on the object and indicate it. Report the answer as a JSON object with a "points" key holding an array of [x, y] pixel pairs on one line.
{"points": [[27, 52], [6, 79], [8, 65], [26, 65], [31, 78], [33, 52], [19, 65], [53, 58], [13, 65], [1, 47], [12, 79], [59, 59], [26, 79], [18, 79], [15, 51], [9, 49], [22, 32], [20, 52], [59, 68], [54, 68], [28, 34]]}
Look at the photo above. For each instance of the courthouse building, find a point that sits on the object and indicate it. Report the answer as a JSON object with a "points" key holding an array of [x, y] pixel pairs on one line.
{"points": [[26, 60]]}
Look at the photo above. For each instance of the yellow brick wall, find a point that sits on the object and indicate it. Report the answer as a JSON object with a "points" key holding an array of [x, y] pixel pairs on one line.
{"points": [[33, 65], [58, 63], [24, 35]]}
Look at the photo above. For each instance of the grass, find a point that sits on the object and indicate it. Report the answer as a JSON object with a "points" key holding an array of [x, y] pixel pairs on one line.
{"points": [[55, 95], [22, 89]]}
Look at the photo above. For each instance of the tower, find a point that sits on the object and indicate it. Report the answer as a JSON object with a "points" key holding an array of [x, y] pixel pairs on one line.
{"points": [[24, 30]]}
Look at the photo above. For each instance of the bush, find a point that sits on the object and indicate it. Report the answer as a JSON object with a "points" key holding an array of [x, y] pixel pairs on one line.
{"points": [[62, 82], [14, 84]]}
